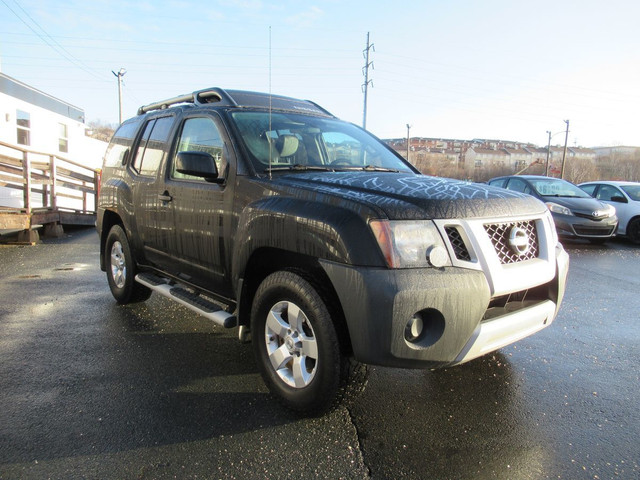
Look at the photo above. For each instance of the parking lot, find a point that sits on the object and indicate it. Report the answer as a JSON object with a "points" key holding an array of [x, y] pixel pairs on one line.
{"points": [[90, 389]]}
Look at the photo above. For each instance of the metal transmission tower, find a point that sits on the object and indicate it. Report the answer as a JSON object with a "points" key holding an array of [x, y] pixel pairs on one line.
{"points": [[365, 85]]}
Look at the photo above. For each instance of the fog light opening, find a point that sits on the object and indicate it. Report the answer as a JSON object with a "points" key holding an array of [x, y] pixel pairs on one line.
{"points": [[424, 328]]}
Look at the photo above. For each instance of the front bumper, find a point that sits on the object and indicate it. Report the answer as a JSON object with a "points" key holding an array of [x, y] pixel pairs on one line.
{"points": [[579, 227], [453, 305]]}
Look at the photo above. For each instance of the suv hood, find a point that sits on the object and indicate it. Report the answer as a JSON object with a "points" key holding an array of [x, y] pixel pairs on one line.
{"points": [[402, 196]]}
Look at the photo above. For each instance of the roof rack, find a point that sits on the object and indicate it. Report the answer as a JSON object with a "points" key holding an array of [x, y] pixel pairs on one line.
{"points": [[238, 98], [200, 97]]}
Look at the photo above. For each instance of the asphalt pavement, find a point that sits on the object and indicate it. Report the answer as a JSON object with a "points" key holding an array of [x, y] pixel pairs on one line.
{"points": [[90, 389]]}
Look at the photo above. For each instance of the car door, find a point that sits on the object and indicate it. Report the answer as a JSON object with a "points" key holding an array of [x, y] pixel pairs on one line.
{"points": [[147, 158], [197, 214], [605, 193]]}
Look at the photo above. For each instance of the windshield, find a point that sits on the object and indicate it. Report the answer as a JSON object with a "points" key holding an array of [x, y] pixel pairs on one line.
{"points": [[554, 187], [633, 191], [290, 141]]}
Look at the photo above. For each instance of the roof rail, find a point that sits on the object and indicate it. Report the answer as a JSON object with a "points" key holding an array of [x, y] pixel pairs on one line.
{"points": [[200, 97]]}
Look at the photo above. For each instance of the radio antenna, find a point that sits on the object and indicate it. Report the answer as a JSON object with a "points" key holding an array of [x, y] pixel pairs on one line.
{"points": [[269, 138]]}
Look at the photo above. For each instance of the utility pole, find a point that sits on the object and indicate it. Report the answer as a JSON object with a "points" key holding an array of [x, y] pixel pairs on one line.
{"points": [[546, 165], [120, 74], [408, 141], [365, 85], [564, 153]]}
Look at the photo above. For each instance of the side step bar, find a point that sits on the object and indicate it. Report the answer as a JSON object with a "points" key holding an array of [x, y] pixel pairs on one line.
{"points": [[190, 300]]}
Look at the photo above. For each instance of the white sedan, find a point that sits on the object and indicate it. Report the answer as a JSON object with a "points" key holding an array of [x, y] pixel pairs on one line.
{"points": [[625, 197]]}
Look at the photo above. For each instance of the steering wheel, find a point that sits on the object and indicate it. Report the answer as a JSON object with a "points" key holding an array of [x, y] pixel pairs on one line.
{"points": [[341, 162]]}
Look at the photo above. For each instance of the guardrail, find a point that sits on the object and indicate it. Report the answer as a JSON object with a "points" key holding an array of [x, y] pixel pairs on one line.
{"points": [[55, 189]]}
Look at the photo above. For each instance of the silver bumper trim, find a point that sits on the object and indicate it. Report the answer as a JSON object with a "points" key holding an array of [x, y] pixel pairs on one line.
{"points": [[507, 329]]}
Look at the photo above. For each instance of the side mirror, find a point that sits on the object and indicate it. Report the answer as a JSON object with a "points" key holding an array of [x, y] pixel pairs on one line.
{"points": [[197, 164], [619, 199]]}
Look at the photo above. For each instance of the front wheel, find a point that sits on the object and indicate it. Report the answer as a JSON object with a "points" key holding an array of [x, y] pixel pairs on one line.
{"points": [[297, 348], [633, 231], [121, 269]]}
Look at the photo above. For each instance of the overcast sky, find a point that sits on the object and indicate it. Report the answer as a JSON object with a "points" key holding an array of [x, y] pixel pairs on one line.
{"points": [[453, 69]]}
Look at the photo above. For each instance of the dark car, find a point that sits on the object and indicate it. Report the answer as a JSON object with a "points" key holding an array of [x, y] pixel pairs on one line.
{"points": [[576, 214], [323, 246]]}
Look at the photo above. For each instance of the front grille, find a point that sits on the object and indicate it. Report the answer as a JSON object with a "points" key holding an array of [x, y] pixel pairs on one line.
{"points": [[460, 250], [589, 231], [507, 250]]}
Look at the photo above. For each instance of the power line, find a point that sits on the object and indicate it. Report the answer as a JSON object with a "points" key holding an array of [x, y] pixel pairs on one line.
{"points": [[59, 49]]}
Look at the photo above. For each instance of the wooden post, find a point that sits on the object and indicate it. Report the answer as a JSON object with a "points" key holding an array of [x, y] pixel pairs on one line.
{"points": [[26, 174], [54, 175], [96, 189], [84, 198]]}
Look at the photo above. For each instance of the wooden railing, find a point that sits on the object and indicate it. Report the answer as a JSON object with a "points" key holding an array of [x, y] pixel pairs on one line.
{"points": [[50, 183]]}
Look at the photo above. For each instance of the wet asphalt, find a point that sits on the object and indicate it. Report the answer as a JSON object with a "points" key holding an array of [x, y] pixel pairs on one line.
{"points": [[90, 389]]}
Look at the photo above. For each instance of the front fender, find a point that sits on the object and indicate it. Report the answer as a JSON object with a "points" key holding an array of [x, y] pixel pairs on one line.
{"points": [[306, 227]]}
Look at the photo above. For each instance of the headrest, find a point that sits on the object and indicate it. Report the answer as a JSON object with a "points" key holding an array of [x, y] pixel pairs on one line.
{"points": [[287, 145]]}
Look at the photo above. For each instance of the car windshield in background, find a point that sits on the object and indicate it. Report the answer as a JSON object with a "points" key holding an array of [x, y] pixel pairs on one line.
{"points": [[294, 142], [633, 191], [549, 187]]}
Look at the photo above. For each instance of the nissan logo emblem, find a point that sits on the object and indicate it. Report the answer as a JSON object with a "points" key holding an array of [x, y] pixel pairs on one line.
{"points": [[519, 241]]}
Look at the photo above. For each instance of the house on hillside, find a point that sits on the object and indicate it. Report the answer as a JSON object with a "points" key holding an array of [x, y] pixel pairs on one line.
{"points": [[519, 158], [581, 153], [477, 157]]}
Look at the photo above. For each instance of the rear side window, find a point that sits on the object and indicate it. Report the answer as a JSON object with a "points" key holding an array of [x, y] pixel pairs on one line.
{"points": [[120, 144], [499, 182], [152, 146], [589, 188]]}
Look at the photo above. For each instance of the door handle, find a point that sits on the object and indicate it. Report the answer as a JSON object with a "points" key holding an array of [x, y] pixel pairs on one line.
{"points": [[165, 197]]}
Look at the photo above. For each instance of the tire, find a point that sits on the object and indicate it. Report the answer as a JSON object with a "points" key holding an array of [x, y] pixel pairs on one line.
{"points": [[121, 269], [297, 348], [633, 231]]}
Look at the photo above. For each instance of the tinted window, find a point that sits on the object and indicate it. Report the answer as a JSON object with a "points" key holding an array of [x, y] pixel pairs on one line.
{"points": [[518, 185], [201, 134], [499, 182], [605, 192], [152, 146], [120, 143]]}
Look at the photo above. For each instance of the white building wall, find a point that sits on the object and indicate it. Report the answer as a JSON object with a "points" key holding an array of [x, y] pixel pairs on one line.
{"points": [[44, 129], [44, 137]]}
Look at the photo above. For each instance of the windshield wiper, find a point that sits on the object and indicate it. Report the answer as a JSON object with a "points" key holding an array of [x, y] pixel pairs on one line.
{"points": [[299, 168], [368, 168]]}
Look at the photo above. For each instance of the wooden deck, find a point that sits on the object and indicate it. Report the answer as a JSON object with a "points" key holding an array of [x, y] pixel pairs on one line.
{"points": [[54, 191]]}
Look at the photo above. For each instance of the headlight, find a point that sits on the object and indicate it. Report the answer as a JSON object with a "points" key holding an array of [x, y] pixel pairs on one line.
{"points": [[406, 244], [555, 208], [609, 211]]}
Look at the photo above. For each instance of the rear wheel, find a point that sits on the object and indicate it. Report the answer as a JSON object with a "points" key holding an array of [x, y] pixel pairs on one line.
{"points": [[121, 269], [633, 231], [297, 348]]}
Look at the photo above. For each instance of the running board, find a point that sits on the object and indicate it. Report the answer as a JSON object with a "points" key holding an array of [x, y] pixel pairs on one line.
{"points": [[191, 300]]}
